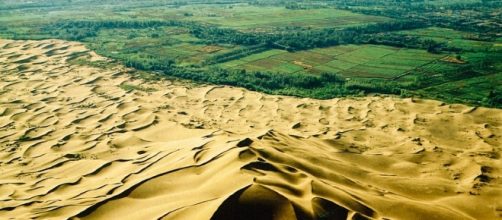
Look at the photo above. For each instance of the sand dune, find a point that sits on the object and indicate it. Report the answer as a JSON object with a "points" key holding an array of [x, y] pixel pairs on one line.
{"points": [[75, 145]]}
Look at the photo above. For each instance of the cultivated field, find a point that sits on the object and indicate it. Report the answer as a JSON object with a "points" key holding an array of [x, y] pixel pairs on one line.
{"points": [[362, 61], [172, 43], [252, 18], [395, 47], [453, 38], [473, 88]]}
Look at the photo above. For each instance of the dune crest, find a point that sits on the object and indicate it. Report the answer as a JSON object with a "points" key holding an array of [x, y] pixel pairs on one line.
{"points": [[76, 144]]}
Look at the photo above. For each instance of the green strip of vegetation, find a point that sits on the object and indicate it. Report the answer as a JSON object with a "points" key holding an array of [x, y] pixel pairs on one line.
{"points": [[448, 50]]}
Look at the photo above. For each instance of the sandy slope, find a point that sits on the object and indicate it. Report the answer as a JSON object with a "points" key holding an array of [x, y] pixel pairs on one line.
{"points": [[75, 145]]}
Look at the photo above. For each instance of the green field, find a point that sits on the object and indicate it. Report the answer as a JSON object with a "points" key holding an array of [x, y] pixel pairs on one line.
{"points": [[361, 61], [468, 89], [242, 17], [172, 43], [245, 17], [454, 38], [254, 18]]}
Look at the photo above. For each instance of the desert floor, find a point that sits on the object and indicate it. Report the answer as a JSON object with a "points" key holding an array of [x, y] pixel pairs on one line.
{"points": [[75, 144]]}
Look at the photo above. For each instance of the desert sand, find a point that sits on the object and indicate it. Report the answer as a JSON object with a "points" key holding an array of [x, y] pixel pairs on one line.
{"points": [[75, 145]]}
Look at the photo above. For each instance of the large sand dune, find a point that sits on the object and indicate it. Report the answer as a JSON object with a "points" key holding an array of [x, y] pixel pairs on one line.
{"points": [[74, 144]]}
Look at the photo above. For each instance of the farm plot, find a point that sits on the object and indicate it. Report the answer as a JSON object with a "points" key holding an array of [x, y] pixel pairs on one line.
{"points": [[453, 38], [251, 18], [362, 61], [168, 42], [470, 90]]}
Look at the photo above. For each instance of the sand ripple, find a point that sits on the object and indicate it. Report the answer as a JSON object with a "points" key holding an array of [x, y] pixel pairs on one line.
{"points": [[74, 145]]}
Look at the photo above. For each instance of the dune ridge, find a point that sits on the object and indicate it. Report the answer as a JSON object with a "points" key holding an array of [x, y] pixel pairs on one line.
{"points": [[75, 145]]}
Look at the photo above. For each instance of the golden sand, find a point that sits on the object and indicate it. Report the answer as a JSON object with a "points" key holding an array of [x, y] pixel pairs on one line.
{"points": [[76, 145]]}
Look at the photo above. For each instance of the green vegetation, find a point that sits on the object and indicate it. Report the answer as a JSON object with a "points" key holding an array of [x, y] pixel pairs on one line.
{"points": [[83, 61], [349, 61], [473, 88], [130, 87], [24, 137], [173, 43], [447, 50], [467, 41], [244, 17]]}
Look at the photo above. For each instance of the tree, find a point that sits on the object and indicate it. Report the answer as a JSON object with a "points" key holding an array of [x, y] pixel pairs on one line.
{"points": [[495, 98]]}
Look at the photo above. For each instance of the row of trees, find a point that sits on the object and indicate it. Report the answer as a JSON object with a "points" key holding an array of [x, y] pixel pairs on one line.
{"points": [[294, 39], [291, 39], [79, 30], [236, 54], [465, 16], [325, 85], [406, 41]]}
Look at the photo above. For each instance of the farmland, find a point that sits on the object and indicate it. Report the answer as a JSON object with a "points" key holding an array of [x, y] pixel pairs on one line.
{"points": [[248, 18], [350, 61], [174, 43], [319, 49], [465, 40], [472, 88]]}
